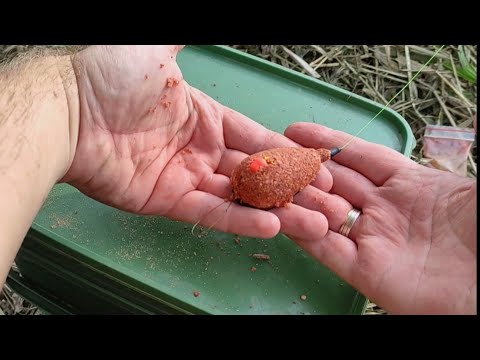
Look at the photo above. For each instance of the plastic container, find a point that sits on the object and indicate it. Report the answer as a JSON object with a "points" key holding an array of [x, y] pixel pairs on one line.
{"points": [[83, 257]]}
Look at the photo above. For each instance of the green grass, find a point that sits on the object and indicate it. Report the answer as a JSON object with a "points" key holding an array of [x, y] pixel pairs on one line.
{"points": [[466, 70]]}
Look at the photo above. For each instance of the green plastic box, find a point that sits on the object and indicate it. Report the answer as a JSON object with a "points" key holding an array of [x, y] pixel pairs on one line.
{"points": [[83, 257]]}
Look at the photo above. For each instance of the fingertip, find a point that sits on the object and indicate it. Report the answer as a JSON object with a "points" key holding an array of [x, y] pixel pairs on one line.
{"points": [[249, 222], [324, 179], [318, 224], [263, 225], [301, 222], [260, 224], [269, 226], [303, 126], [330, 167], [294, 128], [309, 134]]}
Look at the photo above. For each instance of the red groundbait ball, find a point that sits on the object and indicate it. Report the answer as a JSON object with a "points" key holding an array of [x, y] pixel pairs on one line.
{"points": [[271, 178]]}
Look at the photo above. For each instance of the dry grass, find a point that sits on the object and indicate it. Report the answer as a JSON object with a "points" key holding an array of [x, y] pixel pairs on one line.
{"points": [[439, 95], [13, 304], [444, 94]]}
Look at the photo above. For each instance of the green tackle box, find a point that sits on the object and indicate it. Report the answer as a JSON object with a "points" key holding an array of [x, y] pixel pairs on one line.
{"points": [[83, 257]]}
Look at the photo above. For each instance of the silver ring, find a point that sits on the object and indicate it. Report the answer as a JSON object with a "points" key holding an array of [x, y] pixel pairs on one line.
{"points": [[352, 217]]}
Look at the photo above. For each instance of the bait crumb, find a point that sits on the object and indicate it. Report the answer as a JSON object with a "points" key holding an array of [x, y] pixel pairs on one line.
{"points": [[261, 256], [194, 253], [172, 82], [253, 269], [303, 297], [164, 103], [61, 222], [196, 293], [324, 154]]}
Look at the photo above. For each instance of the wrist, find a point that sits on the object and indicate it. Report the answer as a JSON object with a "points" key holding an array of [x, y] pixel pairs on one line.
{"points": [[71, 111], [40, 116], [38, 130]]}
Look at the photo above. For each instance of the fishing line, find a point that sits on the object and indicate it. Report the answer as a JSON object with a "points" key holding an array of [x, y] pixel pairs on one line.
{"points": [[335, 151]]}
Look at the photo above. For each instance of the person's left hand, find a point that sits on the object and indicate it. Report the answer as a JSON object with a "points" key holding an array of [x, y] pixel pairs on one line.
{"points": [[151, 144], [413, 248]]}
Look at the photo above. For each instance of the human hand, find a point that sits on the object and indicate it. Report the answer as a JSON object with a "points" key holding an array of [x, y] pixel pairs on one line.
{"points": [[413, 249], [150, 143]]}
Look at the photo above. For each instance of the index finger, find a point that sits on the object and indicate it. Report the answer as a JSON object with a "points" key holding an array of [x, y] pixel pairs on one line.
{"points": [[209, 210], [244, 134], [376, 162]]}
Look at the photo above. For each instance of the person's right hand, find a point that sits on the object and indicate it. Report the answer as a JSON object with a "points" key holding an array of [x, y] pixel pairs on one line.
{"points": [[413, 249]]}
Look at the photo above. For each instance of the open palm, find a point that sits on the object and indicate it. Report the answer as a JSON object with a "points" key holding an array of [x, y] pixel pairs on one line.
{"points": [[414, 246], [150, 143]]}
